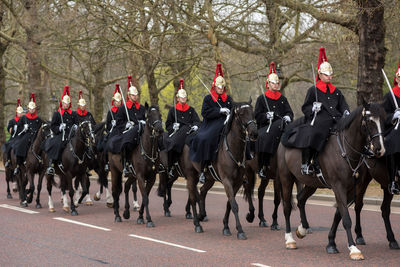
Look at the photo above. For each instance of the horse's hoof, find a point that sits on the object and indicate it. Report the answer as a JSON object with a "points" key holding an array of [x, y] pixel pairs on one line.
{"points": [[250, 217], [394, 245], [150, 224], [74, 213], [299, 235], [227, 232], [126, 214], [9, 196], [241, 236], [89, 203], [331, 249], [198, 229], [96, 198], [24, 204], [167, 214], [52, 210], [66, 209], [117, 219], [360, 241], [38, 206], [110, 205], [140, 221], [263, 224], [291, 245], [356, 256], [189, 216]]}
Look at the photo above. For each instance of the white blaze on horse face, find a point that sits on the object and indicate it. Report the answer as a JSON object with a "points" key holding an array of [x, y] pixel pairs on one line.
{"points": [[378, 125]]}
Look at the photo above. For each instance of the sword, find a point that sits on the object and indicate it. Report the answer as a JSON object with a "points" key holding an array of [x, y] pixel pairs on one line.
{"points": [[271, 113], [176, 120], [216, 100], [126, 109], [318, 104], [394, 98], [62, 121]]}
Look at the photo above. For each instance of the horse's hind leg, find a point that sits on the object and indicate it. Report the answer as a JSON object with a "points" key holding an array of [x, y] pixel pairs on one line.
{"points": [[226, 231], [31, 177], [277, 201], [127, 187], [135, 202], [116, 191], [188, 214], [231, 192], [261, 193], [286, 191], [9, 196], [39, 189], [194, 198], [302, 197], [385, 209], [71, 196], [49, 189], [361, 187]]}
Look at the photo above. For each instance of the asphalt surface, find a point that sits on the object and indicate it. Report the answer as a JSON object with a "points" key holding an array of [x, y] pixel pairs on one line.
{"points": [[41, 238]]}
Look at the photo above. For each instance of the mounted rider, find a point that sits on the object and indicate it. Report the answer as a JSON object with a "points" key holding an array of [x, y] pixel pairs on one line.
{"points": [[215, 111], [81, 113], [392, 133], [323, 106], [12, 129], [27, 128], [61, 124], [272, 113], [130, 121], [182, 120]]}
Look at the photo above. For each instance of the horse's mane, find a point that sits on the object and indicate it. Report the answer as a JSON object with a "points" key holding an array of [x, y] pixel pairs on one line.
{"points": [[374, 108]]}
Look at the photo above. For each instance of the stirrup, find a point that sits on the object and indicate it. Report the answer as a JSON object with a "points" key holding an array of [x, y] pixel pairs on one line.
{"points": [[202, 178], [262, 174], [50, 171], [129, 170], [306, 169], [394, 188], [7, 164], [171, 173], [61, 167], [16, 170]]}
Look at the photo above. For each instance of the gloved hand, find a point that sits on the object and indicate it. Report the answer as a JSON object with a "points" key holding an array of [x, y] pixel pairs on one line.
{"points": [[142, 123], [175, 126], [346, 113], [287, 119], [15, 127], [194, 128], [113, 123], [128, 125], [225, 111], [74, 127], [316, 107], [270, 115], [26, 126], [396, 115], [62, 126]]}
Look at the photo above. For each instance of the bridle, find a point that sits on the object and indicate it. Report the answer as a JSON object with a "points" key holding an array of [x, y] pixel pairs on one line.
{"points": [[153, 140], [87, 140]]}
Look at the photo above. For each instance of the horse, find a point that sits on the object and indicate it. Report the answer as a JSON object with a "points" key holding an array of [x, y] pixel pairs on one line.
{"points": [[272, 172], [9, 172], [74, 160], [229, 166], [360, 131], [145, 157]]}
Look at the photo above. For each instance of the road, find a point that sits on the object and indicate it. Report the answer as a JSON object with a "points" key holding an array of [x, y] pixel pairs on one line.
{"points": [[35, 237]]}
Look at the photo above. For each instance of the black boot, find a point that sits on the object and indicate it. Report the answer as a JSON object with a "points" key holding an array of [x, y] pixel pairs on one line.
{"points": [[128, 167]]}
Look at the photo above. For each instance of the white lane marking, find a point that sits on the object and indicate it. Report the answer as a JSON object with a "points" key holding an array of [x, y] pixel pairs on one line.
{"points": [[18, 209], [81, 223], [167, 243], [260, 265]]}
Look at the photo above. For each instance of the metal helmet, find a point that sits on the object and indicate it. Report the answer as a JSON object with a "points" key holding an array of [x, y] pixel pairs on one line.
{"points": [[181, 93], [32, 102], [133, 91], [398, 73], [325, 68], [66, 99], [273, 78], [81, 101], [117, 97], [20, 109], [220, 82]]}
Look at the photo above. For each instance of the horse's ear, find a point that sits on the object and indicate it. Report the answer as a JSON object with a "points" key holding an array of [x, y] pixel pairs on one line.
{"points": [[146, 106], [250, 100]]}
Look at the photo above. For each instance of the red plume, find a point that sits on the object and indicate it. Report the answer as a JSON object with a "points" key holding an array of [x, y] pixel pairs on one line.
{"points": [[117, 89], [18, 102], [80, 94], [180, 86], [272, 69], [129, 81], [33, 98], [218, 72], [321, 58], [65, 92], [398, 67]]}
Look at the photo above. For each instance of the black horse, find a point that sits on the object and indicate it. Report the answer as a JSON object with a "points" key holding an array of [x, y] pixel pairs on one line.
{"points": [[229, 166], [344, 153], [145, 158], [74, 160]]}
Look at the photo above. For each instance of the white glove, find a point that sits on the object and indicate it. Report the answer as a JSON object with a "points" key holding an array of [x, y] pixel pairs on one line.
{"points": [[128, 125], [396, 115], [62, 127], [194, 128], [142, 123], [346, 113], [15, 127], [225, 111], [316, 107], [175, 126], [113, 123], [270, 115], [287, 119], [26, 126]]}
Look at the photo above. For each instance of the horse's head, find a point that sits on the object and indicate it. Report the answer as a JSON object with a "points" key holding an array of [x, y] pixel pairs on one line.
{"points": [[45, 131], [244, 115], [87, 134], [153, 120], [372, 125]]}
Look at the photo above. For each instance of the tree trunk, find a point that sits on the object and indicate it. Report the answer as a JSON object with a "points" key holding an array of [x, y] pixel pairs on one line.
{"points": [[371, 55], [98, 92], [2, 96]]}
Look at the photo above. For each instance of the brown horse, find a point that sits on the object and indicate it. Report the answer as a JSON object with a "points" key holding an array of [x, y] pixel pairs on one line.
{"points": [[74, 159], [340, 160], [229, 166], [145, 158]]}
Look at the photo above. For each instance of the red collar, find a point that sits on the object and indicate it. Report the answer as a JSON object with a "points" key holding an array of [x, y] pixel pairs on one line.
{"points": [[396, 90], [61, 111], [114, 109], [80, 112], [31, 116], [215, 96], [322, 86], [129, 104], [17, 118], [272, 95], [181, 107]]}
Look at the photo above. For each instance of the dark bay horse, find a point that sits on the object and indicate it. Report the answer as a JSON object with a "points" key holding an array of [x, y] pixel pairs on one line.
{"points": [[340, 161], [74, 159], [229, 166], [145, 159]]}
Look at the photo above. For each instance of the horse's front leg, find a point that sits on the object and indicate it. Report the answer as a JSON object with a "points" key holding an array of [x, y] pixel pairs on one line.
{"points": [[237, 183], [191, 185], [261, 193], [277, 201], [9, 196], [331, 247], [71, 197], [31, 177], [50, 181], [116, 189], [361, 188], [149, 185], [135, 202], [127, 187], [385, 209], [304, 228], [203, 194]]}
